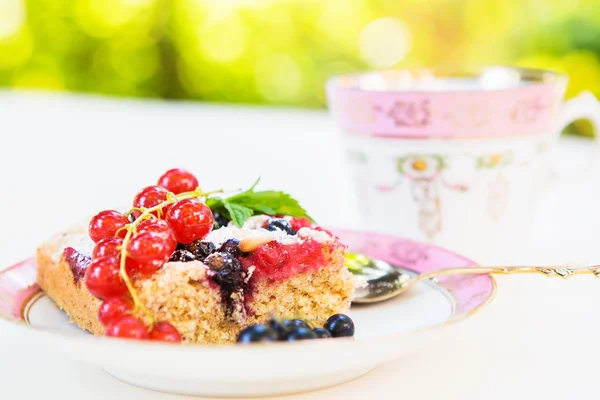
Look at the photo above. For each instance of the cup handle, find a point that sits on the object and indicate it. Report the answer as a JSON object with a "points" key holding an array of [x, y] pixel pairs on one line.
{"points": [[584, 106]]}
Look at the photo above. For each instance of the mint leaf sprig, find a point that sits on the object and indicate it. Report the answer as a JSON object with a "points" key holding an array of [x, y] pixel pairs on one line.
{"points": [[242, 206]]}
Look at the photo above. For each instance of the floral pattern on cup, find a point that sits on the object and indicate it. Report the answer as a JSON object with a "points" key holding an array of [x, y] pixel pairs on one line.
{"points": [[421, 166], [469, 114], [410, 113], [495, 160], [423, 172], [526, 111]]}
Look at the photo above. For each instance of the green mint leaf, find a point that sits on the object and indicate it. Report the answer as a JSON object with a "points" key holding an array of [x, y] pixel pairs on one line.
{"points": [[239, 214], [242, 206], [214, 203], [270, 202], [254, 185]]}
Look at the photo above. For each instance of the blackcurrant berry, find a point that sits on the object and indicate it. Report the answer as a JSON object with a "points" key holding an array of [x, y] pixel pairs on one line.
{"points": [[222, 261], [340, 325], [220, 220], [232, 246], [280, 224], [291, 324], [200, 249], [182, 256], [300, 334], [279, 329], [256, 333], [321, 333]]}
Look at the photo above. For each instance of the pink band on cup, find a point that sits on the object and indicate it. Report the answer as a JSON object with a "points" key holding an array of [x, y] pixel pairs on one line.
{"points": [[526, 110]]}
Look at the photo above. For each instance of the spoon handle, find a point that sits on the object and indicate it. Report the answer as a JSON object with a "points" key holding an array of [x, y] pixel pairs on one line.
{"points": [[562, 272]]}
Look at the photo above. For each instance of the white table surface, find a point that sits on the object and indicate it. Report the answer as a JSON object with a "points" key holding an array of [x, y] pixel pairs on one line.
{"points": [[64, 157]]}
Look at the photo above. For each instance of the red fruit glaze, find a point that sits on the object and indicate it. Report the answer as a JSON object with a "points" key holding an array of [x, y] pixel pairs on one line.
{"points": [[321, 229], [107, 247], [102, 278], [105, 224], [190, 220], [160, 227], [148, 197], [127, 327], [149, 246], [276, 261], [112, 309], [166, 332], [178, 181], [298, 223], [78, 262]]}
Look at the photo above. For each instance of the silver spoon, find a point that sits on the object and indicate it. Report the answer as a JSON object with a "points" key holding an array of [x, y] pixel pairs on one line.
{"points": [[384, 281]]}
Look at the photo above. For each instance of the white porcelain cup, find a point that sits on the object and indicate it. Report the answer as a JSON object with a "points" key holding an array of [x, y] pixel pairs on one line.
{"points": [[460, 161]]}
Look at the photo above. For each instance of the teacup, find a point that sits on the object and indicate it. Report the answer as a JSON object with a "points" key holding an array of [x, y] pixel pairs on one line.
{"points": [[455, 160]]}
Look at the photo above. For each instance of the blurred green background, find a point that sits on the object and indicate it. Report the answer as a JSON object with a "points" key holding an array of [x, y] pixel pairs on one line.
{"points": [[281, 51]]}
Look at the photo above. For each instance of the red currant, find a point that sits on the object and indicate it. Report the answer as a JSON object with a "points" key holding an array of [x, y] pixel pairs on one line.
{"points": [[127, 327], [190, 220], [160, 227], [178, 181], [103, 280], [149, 197], [105, 224], [147, 268], [114, 308], [107, 247], [149, 246], [166, 332]]}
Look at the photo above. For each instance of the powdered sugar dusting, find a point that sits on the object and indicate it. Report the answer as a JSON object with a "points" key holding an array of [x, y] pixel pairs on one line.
{"points": [[79, 241], [219, 236], [319, 236]]}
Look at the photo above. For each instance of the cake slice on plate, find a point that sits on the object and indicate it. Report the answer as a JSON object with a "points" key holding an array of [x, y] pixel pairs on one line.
{"points": [[184, 265]]}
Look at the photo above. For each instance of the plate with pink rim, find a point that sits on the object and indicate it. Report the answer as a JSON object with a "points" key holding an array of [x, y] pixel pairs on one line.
{"points": [[384, 331]]}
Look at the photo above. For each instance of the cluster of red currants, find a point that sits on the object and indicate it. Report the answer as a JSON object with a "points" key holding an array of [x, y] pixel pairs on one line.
{"points": [[138, 244]]}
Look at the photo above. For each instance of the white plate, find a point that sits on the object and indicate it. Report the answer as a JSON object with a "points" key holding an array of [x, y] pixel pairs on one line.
{"points": [[384, 332]]}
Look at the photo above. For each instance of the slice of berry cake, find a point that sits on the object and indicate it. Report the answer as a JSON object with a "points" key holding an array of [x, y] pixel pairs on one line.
{"points": [[185, 265]]}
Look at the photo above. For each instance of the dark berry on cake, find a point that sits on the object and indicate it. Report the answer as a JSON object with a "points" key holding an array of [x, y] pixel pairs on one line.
{"points": [[220, 220], [232, 246], [340, 325], [321, 333], [182, 256], [300, 333], [281, 224], [257, 333]]}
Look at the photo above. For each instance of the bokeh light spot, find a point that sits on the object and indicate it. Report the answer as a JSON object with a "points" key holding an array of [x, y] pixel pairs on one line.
{"points": [[102, 18], [341, 22], [278, 77], [12, 17], [384, 42], [224, 41]]}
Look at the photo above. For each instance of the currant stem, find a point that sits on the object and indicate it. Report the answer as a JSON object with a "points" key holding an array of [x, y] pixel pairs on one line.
{"points": [[131, 228]]}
